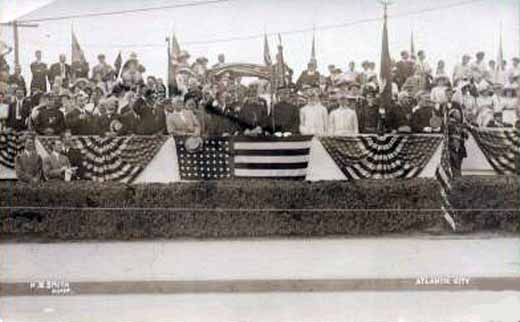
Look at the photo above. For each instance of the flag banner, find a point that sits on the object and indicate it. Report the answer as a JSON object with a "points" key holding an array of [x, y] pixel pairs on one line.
{"points": [[10, 145], [381, 157], [267, 53], [246, 70], [204, 159], [118, 159], [77, 52], [118, 63], [273, 158], [218, 158], [444, 175], [501, 147]]}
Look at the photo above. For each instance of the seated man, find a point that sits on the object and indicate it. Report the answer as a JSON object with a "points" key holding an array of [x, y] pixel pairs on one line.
{"points": [[49, 119], [74, 155], [28, 164], [57, 166]]}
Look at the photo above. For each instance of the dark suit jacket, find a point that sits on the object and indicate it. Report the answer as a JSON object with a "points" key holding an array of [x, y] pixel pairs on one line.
{"points": [[28, 168], [19, 81], [19, 124], [52, 166], [76, 160], [50, 119], [39, 76], [56, 71]]}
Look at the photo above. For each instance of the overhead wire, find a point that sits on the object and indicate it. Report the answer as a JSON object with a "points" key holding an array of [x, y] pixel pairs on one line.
{"points": [[284, 33]]}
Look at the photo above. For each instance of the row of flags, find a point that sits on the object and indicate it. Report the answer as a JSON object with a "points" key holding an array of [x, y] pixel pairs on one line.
{"points": [[174, 51]]}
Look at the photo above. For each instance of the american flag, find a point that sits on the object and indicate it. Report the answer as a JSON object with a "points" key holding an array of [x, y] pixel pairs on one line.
{"points": [[245, 157], [10, 145]]}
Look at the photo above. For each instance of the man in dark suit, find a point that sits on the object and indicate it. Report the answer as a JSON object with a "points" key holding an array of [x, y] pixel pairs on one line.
{"points": [[28, 164], [286, 114], [50, 120], [39, 74], [404, 68], [60, 69], [17, 79], [19, 111], [74, 155]]}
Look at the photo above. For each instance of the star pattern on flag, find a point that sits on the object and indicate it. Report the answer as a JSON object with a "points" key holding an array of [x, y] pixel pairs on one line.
{"points": [[210, 162]]}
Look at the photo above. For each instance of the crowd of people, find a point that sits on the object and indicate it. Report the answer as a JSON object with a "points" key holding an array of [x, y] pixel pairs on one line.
{"points": [[73, 99], [122, 100]]}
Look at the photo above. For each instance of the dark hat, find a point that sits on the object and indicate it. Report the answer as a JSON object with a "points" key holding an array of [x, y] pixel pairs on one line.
{"points": [[101, 56]]}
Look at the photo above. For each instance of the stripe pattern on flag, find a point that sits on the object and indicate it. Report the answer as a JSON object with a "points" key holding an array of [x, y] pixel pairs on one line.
{"points": [[271, 158], [501, 147], [382, 157], [119, 159], [10, 145]]}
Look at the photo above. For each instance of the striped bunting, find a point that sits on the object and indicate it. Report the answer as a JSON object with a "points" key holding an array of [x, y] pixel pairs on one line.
{"points": [[118, 159], [11, 144], [501, 147], [271, 157], [382, 157], [444, 175]]}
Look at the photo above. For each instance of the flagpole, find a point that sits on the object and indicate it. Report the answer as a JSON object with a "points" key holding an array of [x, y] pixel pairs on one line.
{"points": [[169, 68]]}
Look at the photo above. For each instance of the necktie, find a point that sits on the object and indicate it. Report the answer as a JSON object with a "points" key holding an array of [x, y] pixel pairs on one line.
{"points": [[18, 110]]}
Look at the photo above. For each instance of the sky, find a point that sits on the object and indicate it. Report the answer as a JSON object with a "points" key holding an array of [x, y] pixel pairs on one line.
{"points": [[445, 33]]}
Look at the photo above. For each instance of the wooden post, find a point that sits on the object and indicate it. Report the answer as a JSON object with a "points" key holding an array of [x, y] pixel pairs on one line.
{"points": [[15, 24]]}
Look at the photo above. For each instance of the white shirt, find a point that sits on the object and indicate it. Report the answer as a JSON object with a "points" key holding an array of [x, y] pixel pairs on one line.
{"points": [[313, 119], [438, 94], [460, 72], [343, 121]]}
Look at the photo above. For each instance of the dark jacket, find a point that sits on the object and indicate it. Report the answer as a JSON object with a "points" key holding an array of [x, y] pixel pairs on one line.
{"points": [[50, 119], [76, 160], [39, 76], [56, 71], [12, 121], [29, 168]]}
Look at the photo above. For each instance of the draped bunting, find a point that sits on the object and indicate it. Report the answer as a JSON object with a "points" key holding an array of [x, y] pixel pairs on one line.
{"points": [[10, 145], [113, 158], [382, 157], [501, 147]]}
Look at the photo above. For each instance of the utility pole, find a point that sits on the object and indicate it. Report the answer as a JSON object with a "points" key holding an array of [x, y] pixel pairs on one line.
{"points": [[15, 24]]}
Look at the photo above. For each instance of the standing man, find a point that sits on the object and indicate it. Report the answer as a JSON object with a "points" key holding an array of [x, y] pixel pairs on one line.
{"points": [[343, 121], [17, 79], [60, 69], [39, 74], [285, 113], [309, 77], [28, 164], [313, 116], [462, 70], [404, 68], [103, 70], [18, 112], [479, 68], [221, 61]]}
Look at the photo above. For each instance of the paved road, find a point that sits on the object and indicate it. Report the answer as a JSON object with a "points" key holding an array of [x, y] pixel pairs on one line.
{"points": [[364, 270], [261, 259]]}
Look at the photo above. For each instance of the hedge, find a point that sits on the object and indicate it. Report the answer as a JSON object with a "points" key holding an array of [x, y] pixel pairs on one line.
{"points": [[238, 209]]}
